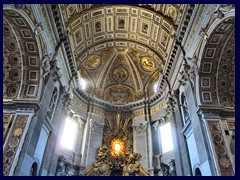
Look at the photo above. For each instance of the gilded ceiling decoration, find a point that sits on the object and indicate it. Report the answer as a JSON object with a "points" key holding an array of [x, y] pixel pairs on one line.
{"points": [[120, 75], [121, 50]]}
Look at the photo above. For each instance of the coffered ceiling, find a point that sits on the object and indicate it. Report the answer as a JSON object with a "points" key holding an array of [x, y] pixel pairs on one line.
{"points": [[121, 50]]}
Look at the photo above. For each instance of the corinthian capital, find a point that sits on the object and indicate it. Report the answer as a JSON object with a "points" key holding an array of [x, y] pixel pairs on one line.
{"points": [[140, 128]]}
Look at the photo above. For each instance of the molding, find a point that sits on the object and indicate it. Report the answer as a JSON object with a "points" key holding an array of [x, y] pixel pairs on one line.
{"points": [[21, 105]]}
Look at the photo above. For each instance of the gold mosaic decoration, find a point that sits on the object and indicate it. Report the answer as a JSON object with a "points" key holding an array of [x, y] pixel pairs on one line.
{"points": [[93, 62], [140, 36], [116, 156], [147, 64], [120, 74]]}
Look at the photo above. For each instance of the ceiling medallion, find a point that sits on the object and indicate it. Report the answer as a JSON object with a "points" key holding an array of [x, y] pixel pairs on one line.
{"points": [[93, 62], [147, 64], [120, 74]]}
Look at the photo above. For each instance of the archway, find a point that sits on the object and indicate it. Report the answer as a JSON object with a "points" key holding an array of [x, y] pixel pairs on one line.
{"points": [[33, 170], [198, 172], [21, 67], [217, 90], [21, 79], [217, 69]]}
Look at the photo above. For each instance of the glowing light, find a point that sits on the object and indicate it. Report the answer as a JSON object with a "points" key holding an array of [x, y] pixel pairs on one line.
{"points": [[117, 147], [155, 87], [83, 84], [69, 134], [166, 138]]}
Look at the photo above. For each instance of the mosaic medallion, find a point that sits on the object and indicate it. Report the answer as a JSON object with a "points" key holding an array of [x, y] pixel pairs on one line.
{"points": [[221, 150], [13, 142], [147, 64], [21, 121], [93, 62], [120, 74]]}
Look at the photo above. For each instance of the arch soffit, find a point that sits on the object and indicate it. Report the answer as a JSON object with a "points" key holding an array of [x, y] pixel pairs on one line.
{"points": [[28, 60]]}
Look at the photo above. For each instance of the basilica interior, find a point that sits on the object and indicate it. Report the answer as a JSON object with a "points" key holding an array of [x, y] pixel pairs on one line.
{"points": [[118, 89]]}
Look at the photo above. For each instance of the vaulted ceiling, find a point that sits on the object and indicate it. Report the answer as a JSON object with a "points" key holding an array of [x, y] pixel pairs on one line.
{"points": [[217, 72], [121, 50]]}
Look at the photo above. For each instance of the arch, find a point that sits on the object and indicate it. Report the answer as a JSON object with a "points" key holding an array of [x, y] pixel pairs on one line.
{"points": [[33, 170], [21, 52], [217, 63], [197, 172]]}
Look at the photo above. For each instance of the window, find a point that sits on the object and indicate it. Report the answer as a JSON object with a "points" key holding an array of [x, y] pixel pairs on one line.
{"points": [[83, 84], [198, 172], [82, 81], [166, 137], [69, 133], [155, 87], [33, 170]]}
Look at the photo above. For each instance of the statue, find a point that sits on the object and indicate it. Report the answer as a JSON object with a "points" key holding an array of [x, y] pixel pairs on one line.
{"points": [[123, 162], [167, 169], [123, 165], [38, 28], [172, 167], [221, 9], [193, 71], [46, 65], [185, 108]]}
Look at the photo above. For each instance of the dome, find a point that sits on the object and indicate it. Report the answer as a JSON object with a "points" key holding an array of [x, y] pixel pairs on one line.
{"points": [[121, 51], [120, 75]]}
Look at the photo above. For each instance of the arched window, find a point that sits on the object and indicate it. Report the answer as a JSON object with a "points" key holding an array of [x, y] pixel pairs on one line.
{"points": [[166, 137], [69, 134], [33, 170], [198, 172]]}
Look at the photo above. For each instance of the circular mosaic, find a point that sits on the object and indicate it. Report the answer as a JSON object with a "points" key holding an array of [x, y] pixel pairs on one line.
{"points": [[13, 60], [120, 74], [21, 122], [225, 99], [221, 150], [14, 74], [12, 90], [147, 64], [93, 62], [226, 67], [229, 51], [12, 44], [6, 29], [225, 83], [13, 142]]}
